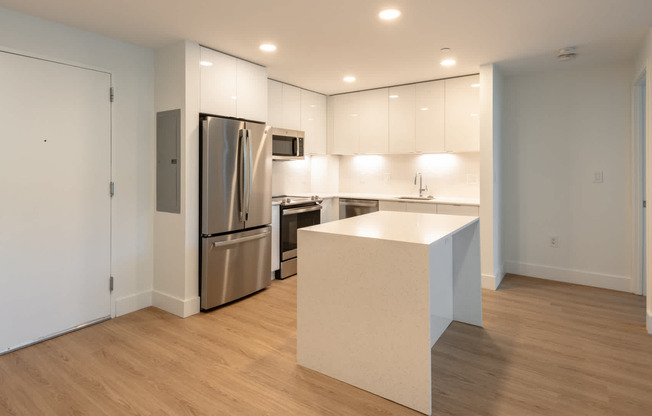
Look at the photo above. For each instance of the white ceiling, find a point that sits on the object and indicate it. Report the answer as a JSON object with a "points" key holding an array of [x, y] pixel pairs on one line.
{"points": [[320, 41]]}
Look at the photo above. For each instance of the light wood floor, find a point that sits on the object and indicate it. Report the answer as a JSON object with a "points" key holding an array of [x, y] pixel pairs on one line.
{"points": [[546, 349]]}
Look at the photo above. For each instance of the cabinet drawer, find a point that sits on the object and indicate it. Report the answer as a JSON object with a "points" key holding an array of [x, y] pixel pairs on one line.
{"points": [[392, 206], [452, 209], [422, 208]]}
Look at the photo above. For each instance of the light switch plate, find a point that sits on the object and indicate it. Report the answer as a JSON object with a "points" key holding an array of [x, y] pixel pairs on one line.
{"points": [[598, 177]]}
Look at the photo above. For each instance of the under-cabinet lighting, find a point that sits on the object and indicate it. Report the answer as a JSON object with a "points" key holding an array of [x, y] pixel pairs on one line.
{"points": [[424, 109], [475, 85], [206, 63], [393, 96], [234, 97], [349, 78]]}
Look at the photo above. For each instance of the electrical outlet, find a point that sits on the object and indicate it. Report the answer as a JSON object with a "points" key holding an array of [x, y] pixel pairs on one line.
{"points": [[387, 176], [554, 242]]}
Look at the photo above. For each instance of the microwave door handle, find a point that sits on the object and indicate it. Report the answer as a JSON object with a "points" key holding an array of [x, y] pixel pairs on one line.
{"points": [[241, 167]]}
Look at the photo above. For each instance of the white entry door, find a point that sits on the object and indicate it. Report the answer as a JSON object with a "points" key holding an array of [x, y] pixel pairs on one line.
{"points": [[55, 206]]}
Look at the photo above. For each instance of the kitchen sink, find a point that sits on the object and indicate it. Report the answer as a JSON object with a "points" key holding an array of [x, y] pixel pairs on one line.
{"points": [[418, 198]]}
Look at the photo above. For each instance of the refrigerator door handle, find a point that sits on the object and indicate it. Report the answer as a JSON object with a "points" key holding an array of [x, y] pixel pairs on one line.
{"points": [[240, 240], [242, 140], [250, 173]]}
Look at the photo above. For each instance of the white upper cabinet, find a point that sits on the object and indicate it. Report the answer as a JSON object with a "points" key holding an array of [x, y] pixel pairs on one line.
{"points": [[274, 103], [252, 91], [218, 83], [232, 87], [430, 104], [346, 124], [313, 122], [374, 120], [291, 108], [462, 114], [427, 117], [401, 119]]}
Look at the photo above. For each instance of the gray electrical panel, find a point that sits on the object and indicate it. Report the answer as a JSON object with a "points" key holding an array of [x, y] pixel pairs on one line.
{"points": [[168, 173]]}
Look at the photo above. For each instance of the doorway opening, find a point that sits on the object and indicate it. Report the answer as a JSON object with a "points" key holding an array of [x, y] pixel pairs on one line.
{"points": [[640, 171]]}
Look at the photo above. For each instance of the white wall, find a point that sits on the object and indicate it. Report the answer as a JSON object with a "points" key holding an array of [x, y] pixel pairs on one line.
{"points": [[644, 63], [445, 174], [176, 246], [560, 127], [132, 70], [491, 239]]}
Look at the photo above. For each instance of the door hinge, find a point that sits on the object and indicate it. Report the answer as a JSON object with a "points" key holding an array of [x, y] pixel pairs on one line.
{"points": [[111, 94], [112, 189], [110, 283]]}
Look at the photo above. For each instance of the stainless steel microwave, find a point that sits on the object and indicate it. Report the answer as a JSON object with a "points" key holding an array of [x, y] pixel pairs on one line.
{"points": [[287, 144]]}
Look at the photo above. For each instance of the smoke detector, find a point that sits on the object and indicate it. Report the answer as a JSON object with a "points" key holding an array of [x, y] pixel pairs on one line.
{"points": [[566, 54]]}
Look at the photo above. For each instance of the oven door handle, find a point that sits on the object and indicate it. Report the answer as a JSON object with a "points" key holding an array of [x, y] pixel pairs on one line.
{"points": [[301, 210]]}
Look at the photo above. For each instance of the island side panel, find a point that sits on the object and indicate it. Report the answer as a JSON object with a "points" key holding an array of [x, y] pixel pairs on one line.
{"points": [[363, 314], [441, 287], [467, 280]]}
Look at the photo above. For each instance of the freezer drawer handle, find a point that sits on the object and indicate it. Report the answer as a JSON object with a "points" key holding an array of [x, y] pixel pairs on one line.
{"points": [[301, 210], [240, 240]]}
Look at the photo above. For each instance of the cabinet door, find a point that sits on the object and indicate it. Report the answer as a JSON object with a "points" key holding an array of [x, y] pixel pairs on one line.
{"points": [[392, 206], [453, 209], [428, 208], [218, 84], [462, 118], [430, 117], [313, 122], [291, 108], [276, 238], [401, 119], [374, 121], [251, 91], [346, 124], [274, 103]]}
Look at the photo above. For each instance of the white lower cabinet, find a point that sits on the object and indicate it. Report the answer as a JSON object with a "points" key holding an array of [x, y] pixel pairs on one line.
{"points": [[330, 210], [276, 249], [453, 209], [428, 208], [392, 206]]}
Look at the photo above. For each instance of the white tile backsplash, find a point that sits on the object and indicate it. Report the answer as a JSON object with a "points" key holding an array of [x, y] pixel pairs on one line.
{"points": [[445, 174]]}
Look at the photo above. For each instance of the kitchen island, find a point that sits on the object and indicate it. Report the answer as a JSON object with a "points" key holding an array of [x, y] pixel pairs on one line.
{"points": [[376, 291]]}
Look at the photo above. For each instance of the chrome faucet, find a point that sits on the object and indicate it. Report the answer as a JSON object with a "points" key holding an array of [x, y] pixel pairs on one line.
{"points": [[421, 188]]}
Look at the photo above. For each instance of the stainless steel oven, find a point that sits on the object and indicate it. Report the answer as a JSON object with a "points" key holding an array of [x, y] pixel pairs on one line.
{"points": [[296, 212]]}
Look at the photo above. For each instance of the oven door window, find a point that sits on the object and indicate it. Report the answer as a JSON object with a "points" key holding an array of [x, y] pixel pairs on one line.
{"points": [[290, 223]]}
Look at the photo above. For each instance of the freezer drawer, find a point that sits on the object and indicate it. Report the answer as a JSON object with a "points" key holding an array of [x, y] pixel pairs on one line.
{"points": [[235, 265]]}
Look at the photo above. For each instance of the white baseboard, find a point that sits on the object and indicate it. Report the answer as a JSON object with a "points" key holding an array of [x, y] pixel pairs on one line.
{"points": [[579, 277], [649, 324], [174, 305], [492, 282], [133, 303]]}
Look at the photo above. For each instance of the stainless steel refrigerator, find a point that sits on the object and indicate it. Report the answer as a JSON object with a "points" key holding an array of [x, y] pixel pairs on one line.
{"points": [[236, 209]]}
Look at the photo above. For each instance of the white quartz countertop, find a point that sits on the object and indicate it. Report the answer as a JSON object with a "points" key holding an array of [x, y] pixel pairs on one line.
{"points": [[406, 227], [390, 197]]}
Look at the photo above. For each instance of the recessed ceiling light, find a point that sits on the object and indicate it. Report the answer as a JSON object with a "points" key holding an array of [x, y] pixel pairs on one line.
{"points": [[349, 78], [234, 97], [424, 109], [206, 63], [393, 96], [475, 85], [389, 14], [267, 47], [447, 58]]}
